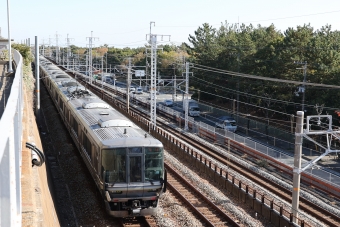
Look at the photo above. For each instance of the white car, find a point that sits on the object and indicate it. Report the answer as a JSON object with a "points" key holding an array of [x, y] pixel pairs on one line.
{"points": [[226, 122], [132, 89]]}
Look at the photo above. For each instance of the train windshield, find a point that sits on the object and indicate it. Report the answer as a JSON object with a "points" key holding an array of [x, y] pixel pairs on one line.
{"points": [[113, 165], [153, 163]]}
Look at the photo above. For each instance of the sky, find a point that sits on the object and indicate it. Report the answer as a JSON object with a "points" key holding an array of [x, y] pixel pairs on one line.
{"points": [[125, 23]]}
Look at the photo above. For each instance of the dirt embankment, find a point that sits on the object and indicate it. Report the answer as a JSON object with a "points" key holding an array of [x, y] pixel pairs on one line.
{"points": [[37, 204]]}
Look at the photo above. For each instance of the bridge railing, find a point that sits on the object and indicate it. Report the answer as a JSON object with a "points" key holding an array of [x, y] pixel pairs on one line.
{"points": [[10, 151]]}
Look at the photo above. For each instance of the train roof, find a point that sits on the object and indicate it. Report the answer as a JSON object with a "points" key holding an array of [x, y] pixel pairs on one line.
{"points": [[106, 123]]}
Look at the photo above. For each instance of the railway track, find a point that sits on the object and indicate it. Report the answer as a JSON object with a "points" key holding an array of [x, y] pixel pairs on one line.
{"points": [[310, 207], [284, 193], [147, 221], [77, 201], [202, 207]]}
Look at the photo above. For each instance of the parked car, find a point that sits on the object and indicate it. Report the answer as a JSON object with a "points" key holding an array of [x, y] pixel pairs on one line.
{"points": [[193, 108], [132, 89], [168, 103], [139, 90], [226, 122]]}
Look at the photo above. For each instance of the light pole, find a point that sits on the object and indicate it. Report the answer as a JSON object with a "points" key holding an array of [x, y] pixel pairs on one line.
{"points": [[10, 70]]}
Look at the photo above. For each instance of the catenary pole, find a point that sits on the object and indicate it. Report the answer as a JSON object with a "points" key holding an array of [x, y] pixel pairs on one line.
{"points": [[37, 77], [10, 69], [297, 164], [186, 100]]}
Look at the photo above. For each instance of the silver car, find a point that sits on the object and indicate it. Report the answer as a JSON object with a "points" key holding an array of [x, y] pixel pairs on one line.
{"points": [[168, 103]]}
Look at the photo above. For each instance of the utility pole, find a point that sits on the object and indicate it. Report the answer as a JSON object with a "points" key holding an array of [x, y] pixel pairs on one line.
{"points": [[175, 86], [57, 48], [153, 43], [43, 48], [91, 39], [186, 101], [37, 77], [303, 87], [10, 69], [68, 50], [297, 164], [146, 67], [307, 132], [128, 83], [49, 47]]}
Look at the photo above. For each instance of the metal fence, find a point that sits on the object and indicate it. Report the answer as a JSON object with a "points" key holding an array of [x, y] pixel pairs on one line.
{"points": [[10, 151], [282, 156]]}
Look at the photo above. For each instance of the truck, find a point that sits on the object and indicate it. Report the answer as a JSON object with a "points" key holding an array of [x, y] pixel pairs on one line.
{"points": [[193, 108], [227, 123]]}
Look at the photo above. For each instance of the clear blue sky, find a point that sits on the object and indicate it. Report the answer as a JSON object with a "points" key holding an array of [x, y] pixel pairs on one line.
{"points": [[125, 23]]}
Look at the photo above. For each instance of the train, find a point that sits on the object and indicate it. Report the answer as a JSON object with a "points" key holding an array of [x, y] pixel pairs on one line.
{"points": [[125, 162]]}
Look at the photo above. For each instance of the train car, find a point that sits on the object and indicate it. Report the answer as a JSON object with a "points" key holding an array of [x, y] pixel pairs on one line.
{"points": [[126, 163]]}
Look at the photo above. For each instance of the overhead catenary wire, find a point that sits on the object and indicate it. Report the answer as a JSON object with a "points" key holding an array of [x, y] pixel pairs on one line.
{"points": [[216, 86], [231, 73]]}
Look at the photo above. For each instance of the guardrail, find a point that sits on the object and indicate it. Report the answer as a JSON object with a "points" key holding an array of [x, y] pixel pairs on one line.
{"points": [[10, 151]]}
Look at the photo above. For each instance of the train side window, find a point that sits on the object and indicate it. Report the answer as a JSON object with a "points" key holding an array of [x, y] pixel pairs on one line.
{"points": [[87, 145], [66, 114], [113, 165], [61, 104], [56, 96], [74, 126]]}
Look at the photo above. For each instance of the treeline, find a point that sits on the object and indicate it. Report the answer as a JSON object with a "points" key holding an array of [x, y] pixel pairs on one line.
{"points": [[260, 51], [267, 52]]}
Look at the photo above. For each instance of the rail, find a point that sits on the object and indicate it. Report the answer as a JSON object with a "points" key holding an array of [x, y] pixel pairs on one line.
{"points": [[330, 178], [10, 151]]}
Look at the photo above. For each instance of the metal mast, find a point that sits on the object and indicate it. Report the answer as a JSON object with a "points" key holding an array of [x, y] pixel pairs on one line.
{"points": [[10, 69], [297, 164], [57, 48], [68, 50], [91, 39], [43, 48], [49, 47], [128, 83], [153, 41], [303, 87], [186, 101], [153, 76]]}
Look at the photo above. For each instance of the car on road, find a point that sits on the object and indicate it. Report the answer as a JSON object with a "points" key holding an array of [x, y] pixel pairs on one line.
{"points": [[139, 90], [168, 103], [226, 122], [132, 89]]}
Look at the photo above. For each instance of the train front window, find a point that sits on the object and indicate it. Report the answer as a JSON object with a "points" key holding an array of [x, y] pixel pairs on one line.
{"points": [[135, 169], [113, 165], [153, 163]]}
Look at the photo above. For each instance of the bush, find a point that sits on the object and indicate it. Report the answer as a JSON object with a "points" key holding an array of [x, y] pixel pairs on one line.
{"points": [[25, 52]]}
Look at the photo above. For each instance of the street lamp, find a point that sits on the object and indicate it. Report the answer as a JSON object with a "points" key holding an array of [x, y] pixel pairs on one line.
{"points": [[10, 70]]}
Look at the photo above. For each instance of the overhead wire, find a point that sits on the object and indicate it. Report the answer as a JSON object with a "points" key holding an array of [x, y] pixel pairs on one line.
{"points": [[244, 94], [226, 72]]}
